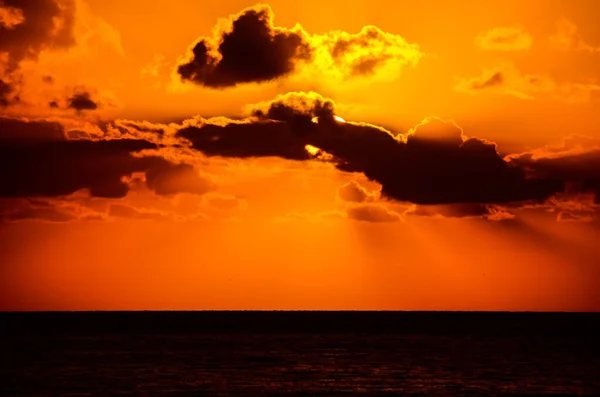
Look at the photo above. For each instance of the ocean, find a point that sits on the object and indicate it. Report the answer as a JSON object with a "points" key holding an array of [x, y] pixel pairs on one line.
{"points": [[299, 354]]}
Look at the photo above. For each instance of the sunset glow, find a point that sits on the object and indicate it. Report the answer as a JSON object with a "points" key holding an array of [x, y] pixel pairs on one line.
{"points": [[193, 155]]}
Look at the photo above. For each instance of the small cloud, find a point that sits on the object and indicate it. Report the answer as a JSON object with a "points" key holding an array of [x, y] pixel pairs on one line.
{"points": [[567, 38], [82, 101], [508, 80], [511, 38]]}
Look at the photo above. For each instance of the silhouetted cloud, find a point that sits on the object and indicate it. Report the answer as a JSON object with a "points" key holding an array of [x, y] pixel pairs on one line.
{"points": [[507, 38], [82, 101], [5, 91], [577, 170], [26, 29], [38, 160], [433, 164], [249, 48], [43, 24]]}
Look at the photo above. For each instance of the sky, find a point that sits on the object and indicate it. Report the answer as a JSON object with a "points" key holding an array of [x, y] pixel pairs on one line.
{"points": [[306, 155]]}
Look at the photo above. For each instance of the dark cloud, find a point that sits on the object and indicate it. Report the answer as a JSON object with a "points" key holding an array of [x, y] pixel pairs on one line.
{"points": [[53, 104], [28, 27], [37, 159], [462, 210], [249, 50], [46, 24], [578, 170], [12, 130], [82, 101], [259, 139], [48, 79], [433, 164], [5, 90]]}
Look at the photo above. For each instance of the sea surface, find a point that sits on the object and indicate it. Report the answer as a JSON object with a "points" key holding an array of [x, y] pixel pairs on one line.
{"points": [[299, 354]]}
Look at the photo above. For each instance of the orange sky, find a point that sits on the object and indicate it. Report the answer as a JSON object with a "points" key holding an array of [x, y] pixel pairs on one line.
{"points": [[141, 176]]}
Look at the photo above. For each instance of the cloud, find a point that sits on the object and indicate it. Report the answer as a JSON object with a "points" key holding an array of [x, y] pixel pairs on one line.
{"points": [[249, 48], [38, 160], [177, 178], [82, 101], [6, 89], [44, 24], [10, 17], [508, 80], [370, 53], [565, 216], [509, 38], [118, 210], [434, 163], [49, 34], [376, 213], [462, 210], [45, 210], [246, 48], [567, 38], [353, 192], [578, 170]]}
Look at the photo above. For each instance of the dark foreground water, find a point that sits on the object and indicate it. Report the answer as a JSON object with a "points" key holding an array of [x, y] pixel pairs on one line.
{"points": [[299, 354]]}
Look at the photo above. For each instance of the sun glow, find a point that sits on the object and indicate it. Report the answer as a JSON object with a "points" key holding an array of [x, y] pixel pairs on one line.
{"points": [[336, 118]]}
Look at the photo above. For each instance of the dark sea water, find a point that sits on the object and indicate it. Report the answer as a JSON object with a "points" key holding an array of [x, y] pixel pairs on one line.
{"points": [[299, 354]]}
